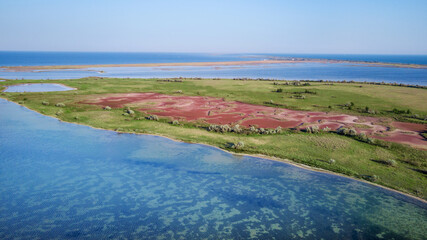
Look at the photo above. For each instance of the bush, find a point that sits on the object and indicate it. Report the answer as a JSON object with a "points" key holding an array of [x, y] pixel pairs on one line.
{"points": [[331, 161], [108, 108], [236, 129], [371, 178], [179, 91], [238, 145], [175, 122], [153, 117], [279, 90], [60, 105], [278, 129], [130, 112], [352, 132], [390, 162], [60, 112], [312, 129], [326, 129], [370, 140], [225, 128], [46, 103], [253, 129]]}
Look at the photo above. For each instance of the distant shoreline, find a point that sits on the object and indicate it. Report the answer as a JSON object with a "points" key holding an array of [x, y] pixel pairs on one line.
{"points": [[206, 64]]}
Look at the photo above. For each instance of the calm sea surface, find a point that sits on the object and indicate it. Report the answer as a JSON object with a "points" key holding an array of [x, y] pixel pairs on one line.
{"points": [[67, 181], [297, 71]]}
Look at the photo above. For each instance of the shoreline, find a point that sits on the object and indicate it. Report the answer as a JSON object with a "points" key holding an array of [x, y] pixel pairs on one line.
{"points": [[205, 64], [266, 157]]}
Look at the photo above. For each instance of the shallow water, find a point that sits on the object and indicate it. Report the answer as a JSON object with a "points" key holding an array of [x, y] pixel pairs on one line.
{"points": [[37, 87], [61, 180], [294, 71]]}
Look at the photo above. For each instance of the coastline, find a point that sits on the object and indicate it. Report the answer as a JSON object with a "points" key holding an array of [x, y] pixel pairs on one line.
{"points": [[266, 157], [205, 64]]}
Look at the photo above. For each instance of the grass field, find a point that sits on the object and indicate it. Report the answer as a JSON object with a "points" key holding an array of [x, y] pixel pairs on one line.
{"points": [[373, 162]]}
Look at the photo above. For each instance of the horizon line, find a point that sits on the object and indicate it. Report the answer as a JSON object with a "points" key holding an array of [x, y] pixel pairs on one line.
{"points": [[213, 53]]}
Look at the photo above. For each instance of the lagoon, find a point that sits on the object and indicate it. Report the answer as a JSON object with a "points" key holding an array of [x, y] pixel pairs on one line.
{"points": [[37, 87], [62, 180]]}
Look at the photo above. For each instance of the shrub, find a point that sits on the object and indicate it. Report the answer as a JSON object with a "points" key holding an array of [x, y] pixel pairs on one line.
{"points": [[59, 112], [153, 117], [371, 178], [225, 128], [130, 112], [279, 90], [238, 145], [21, 102], [278, 129], [390, 162], [60, 105], [312, 129], [370, 140], [326, 129], [253, 129], [352, 132], [125, 114], [343, 131], [175, 122], [362, 137], [179, 91], [236, 129], [46, 103], [108, 108], [331, 161]]}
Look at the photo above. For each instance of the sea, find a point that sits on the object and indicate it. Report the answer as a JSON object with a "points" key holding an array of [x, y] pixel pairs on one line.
{"points": [[292, 71]]}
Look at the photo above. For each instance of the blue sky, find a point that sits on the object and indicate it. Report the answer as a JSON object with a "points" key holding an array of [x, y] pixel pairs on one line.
{"points": [[303, 26]]}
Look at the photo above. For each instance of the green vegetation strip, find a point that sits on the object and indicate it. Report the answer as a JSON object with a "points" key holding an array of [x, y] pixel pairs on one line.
{"points": [[393, 165]]}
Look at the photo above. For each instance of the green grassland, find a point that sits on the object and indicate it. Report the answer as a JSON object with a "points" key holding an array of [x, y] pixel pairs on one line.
{"points": [[352, 157]]}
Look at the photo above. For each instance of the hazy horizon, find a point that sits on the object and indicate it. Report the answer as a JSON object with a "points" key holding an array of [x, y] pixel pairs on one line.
{"points": [[214, 53]]}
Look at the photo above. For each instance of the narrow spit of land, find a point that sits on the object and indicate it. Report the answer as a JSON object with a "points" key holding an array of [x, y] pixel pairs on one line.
{"points": [[394, 108], [205, 64]]}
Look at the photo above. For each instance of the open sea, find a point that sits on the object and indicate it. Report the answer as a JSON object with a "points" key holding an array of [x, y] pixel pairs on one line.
{"points": [[294, 71]]}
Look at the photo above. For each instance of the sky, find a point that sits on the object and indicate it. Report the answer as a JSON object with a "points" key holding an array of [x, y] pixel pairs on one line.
{"points": [[220, 26]]}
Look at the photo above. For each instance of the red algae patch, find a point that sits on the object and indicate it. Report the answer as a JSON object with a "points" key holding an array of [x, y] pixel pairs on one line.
{"points": [[218, 111]]}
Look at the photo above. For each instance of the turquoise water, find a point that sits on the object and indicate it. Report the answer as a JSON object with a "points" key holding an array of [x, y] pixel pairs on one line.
{"points": [[67, 181], [37, 87], [17, 58], [297, 71]]}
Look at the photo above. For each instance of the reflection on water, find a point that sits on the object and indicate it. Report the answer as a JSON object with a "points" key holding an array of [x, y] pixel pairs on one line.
{"points": [[37, 87], [294, 71], [60, 180]]}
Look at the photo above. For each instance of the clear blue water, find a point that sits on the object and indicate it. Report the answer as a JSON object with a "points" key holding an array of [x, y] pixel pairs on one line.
{"points": [[297, 71], [67, 181], [8, 58], [14, 58], [37, 87], [408, 59]]}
